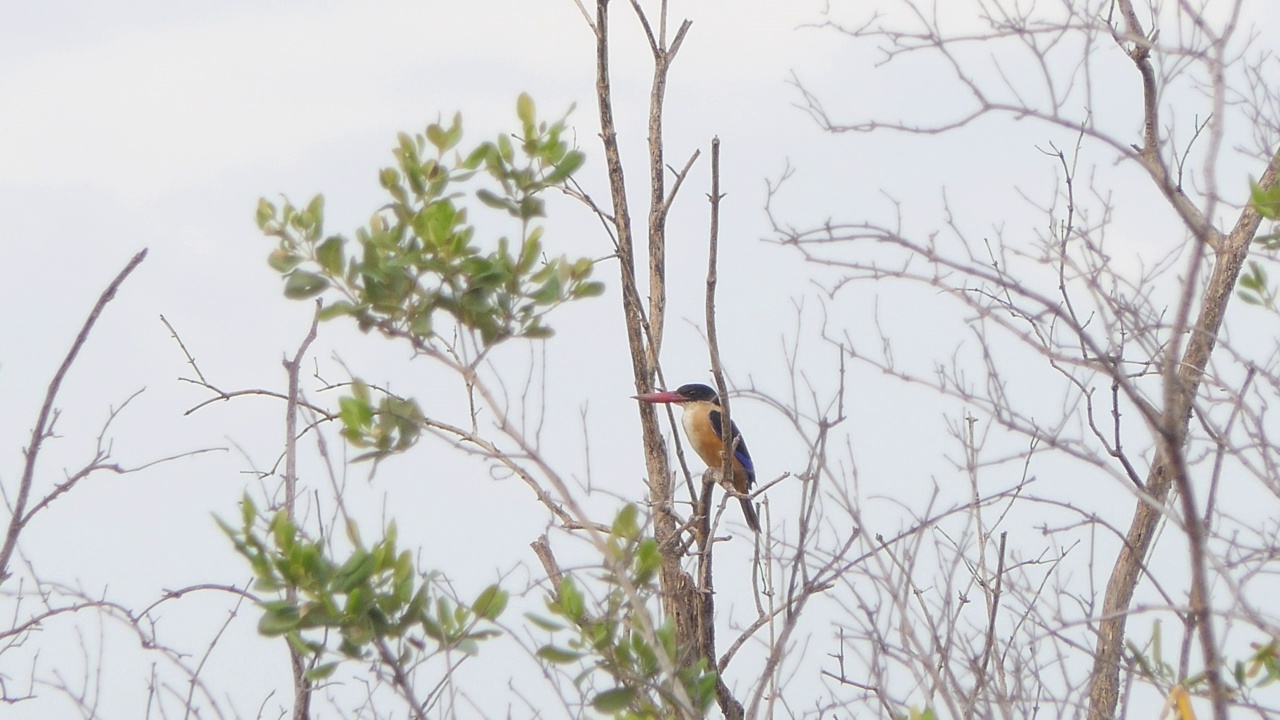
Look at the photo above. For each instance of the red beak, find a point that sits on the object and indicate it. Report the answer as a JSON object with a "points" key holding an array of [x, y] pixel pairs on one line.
{"points": [[662, 396]]}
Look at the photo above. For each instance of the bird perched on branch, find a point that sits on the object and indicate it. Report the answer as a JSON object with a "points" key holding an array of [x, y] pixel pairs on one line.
{"points": [[703, 421]]}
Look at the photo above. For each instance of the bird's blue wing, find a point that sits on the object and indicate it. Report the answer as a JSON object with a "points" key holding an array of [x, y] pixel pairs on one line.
{"points": [[740, 452]]}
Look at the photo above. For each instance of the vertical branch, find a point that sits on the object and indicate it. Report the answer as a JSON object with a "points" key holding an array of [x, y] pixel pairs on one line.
{"points": [[679, 592], [292, 367], [297, 661], [631, 303], [643, 371], [642, 368], [43, 427], [728, 704], [989, 643], [713, 342], [658, 207]]}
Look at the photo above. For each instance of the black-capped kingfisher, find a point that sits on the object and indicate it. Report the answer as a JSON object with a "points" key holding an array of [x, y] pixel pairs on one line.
{"points": [[704, 426]]}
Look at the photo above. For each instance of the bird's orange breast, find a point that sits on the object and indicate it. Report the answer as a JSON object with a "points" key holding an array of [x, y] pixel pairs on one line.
{"points": [[709, 446]]}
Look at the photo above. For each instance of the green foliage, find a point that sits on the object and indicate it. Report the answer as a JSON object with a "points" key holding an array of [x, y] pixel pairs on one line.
{"points": [[370, 600], [1259, 669], [1262, 668], [416, 258], [1265, 201], [1254, 288], [608, 644], [391, 425]]}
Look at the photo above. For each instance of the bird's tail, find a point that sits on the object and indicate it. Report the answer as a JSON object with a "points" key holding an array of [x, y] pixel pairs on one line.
{"points": [[749, 510]]}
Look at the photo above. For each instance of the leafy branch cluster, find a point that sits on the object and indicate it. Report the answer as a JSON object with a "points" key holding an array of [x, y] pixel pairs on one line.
{"points": [[607, 641], [416, 256], [371, 597], [389, 426]]}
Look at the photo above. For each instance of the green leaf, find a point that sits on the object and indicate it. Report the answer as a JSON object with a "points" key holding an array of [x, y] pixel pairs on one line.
{"points": [[350, 649], [300, 285], [559, 656], [529, 251], [525, 110], [408, 150], [284, 530], [436, 136], [549, 292], [431, 629], [615, 700], [544, 623], [566, 167], [1266, 202], [588, 289], [320, 672], [454, 134], [494, 200], [356, 570], [491, 602], [581, 269], [266, 583], [483, 635], [571, 600], [265, 214], [413, 611], [626, 525], [1258, 274], [648, 560], [435, 223], [490, 278], [315, 215], [357, 602], [282, 261], [532, 206], [704, 691], [330, 255], [279, 620], [355, 413], [402, 572], [247, 511], [337, 309], [421, 324], [478, 156]]}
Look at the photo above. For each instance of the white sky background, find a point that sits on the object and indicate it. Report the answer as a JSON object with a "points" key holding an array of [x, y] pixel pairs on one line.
{"points": [[146, 124]]}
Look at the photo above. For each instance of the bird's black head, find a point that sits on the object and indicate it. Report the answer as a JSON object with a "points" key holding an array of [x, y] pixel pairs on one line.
{"points": [[697, 392]]}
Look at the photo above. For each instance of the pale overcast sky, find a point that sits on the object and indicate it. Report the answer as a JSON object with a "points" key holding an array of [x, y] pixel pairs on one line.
{"points": [[150, 124]]}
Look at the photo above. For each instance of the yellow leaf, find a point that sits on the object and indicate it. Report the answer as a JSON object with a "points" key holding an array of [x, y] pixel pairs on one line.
{"points": [[1179, 701]]}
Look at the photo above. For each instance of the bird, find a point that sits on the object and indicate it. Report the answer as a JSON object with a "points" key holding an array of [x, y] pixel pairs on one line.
{"points": [[703, 421]]}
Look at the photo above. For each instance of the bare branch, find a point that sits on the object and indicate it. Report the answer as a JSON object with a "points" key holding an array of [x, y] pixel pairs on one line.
{"points": [[43, 424]]}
